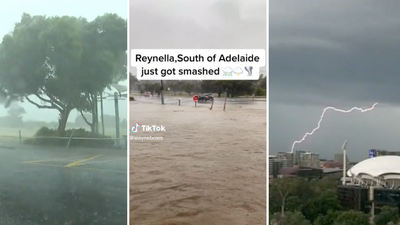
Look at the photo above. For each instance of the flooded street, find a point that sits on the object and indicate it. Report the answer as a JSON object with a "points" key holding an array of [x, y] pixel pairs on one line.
{"points": [[210, 167]]}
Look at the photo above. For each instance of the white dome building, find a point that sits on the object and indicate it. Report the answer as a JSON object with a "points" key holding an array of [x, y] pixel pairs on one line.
{"points": [[381, 171]]}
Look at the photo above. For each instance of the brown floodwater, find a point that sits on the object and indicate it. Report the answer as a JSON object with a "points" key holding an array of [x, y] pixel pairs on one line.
{"points": [[209, 169]]}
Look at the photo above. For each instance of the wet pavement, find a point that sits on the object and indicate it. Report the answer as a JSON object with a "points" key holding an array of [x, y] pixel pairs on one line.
{"points": [[62, 186], [188, 101], [210, 167]]}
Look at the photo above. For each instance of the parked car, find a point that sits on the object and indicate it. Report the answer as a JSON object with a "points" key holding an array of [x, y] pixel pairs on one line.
{"points": [[205, 97], [147, 94]]}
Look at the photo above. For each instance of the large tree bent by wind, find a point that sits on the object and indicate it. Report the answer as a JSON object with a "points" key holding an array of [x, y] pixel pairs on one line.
{"points": [[37, 60], [51, 63], [105, 60]]}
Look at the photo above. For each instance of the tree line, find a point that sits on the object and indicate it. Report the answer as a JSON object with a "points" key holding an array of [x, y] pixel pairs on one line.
{"points": [[63, 63], [297, 201], [233, 88]]}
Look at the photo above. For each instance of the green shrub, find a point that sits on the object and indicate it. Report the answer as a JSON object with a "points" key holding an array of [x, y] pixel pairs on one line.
{"points": [[260, 92], [48, 137], [131, 98]]}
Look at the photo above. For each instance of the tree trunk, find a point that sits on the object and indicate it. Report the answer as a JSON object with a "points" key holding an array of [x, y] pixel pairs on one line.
{"points": [[95, 116], [94, 122], [91, 125], [92, 128], [219, 92], [283, 206], [62, 121], [234, 92]]}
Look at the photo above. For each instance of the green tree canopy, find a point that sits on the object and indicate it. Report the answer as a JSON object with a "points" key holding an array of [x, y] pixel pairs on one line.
{"points": [[352, 218], [327, 219], [281, 189], [188, 87], [290, 218], [388, 214], [62, 61], [320, 206]]}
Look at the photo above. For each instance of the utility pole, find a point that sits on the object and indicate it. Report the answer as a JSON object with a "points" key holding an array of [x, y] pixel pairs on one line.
{"points": [[95, 114], [116, 117], [226, 97], [162, 92], [344, 162], [102, 114]]}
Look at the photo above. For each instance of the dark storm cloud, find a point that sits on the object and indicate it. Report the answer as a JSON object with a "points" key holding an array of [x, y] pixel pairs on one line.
{"points": [[206, 24], [336, 50], [198, 24], [334, 53]]}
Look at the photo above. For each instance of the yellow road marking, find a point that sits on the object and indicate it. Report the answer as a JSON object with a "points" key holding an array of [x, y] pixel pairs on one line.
{"points": [[102, 170], [36, 161], [43, 164], [84, 168], [81, 162], [54, 160]]}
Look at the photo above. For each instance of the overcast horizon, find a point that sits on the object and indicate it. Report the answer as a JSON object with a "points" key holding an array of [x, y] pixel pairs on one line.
{"points": [[332, 53], [12, 14], [209, 24]]}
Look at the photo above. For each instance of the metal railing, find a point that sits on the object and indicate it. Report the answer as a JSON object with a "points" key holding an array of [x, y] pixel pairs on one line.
{"points": [[13, 141]]}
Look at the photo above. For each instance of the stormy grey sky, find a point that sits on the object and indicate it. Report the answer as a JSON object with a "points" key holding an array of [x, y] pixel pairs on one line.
{"points": [[90, 9], [335, 53], [214, 24]]}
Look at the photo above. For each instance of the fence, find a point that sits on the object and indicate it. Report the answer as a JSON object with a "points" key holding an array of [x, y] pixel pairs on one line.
{"points": [[18, 140]]}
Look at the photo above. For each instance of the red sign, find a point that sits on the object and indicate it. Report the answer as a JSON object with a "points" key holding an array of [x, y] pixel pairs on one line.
{"points": [[195, 98]]}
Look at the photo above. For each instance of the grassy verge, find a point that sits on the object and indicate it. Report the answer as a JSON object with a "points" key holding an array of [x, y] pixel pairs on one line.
{"points": [[12, 134]]}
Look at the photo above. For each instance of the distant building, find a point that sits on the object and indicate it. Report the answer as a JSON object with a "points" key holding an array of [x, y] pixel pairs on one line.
{"points": [[339, 158], [297, 157], [372, 184], [286, 157], [378, 152], [331, 164], [300, 171], [309, 159], [275, 167], [276, 163], [326, 172]]}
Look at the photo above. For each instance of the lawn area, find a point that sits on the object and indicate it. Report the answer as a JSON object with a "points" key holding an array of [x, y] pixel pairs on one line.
{"points": [[186, 95], [12, 134]]}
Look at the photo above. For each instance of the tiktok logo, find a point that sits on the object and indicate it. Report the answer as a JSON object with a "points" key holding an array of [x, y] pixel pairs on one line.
{"points": [[135, 128], [148, 128]]}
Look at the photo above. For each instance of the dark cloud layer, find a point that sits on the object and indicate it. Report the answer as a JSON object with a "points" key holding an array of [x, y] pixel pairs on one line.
{"points": [[335, 49], [339, 53], [206, 24], [198, 24]]}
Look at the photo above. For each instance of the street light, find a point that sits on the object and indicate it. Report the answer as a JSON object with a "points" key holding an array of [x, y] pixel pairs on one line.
{"points": [[162, 92], [344, 162], [118, 94]]}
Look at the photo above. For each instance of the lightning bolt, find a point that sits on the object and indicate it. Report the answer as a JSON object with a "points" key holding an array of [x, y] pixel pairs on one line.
{"points": [[322, 117]]}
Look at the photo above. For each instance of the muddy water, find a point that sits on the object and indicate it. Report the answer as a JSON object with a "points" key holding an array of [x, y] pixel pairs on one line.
{"points": [[210, 167]]}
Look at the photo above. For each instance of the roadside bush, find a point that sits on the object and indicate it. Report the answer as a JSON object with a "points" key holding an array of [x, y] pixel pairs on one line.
{"points": [[131, 98], [260, 92], [47, 137]]}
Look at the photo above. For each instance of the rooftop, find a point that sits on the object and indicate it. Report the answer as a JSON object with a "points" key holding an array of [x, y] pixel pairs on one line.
{"points": [[331, 170]]}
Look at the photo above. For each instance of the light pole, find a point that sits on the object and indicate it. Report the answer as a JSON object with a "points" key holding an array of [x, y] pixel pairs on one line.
{"points": [[162, 92], [102, 114], [116, 117], [117, 95], [344, 162]]}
